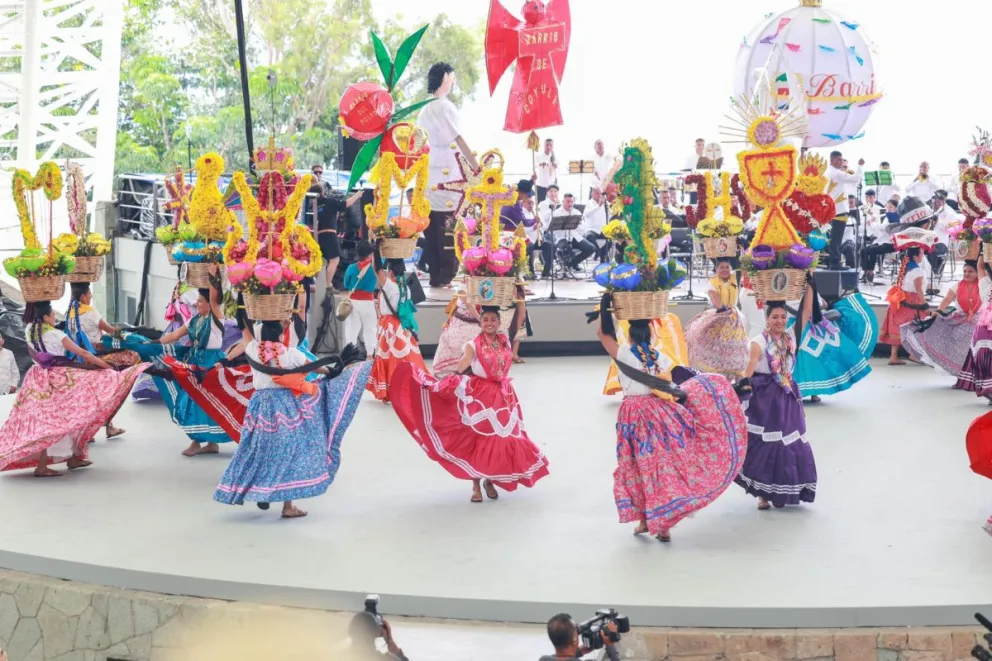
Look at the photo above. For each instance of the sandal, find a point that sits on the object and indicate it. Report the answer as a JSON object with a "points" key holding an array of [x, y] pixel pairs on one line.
{"points": [[476, 496], [262, 506], [491, 492], [664, 537], [46, 472], [763, 505], [641, 529], [203, 449], [114, 432], [897, 362], [293, 513], [75, 463], [518, 360]]}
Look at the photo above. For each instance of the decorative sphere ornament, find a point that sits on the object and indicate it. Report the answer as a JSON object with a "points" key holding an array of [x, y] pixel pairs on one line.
{"points": [[365, 109], [811, 51], [625, 277], [474, 259], [601, 274], [501, 261], [407, 142]]}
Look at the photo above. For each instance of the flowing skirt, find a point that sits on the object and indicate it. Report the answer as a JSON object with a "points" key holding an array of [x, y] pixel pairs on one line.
{"points": [[834, 356], [779, 466], [454, 336], [976, 373], [673, 459], [396, 347], [183, 409], [718, 343], [944, 344], [291, 446], [667, 339], [472, 426], [60, 409], [897, 316]]}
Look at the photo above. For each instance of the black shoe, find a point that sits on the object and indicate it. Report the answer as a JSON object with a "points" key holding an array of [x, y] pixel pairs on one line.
{"points": [[263, 506]]}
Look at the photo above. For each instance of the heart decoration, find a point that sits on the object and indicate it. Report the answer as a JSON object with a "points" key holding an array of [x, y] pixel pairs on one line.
{"points": [[975, 199], [809, 212]]}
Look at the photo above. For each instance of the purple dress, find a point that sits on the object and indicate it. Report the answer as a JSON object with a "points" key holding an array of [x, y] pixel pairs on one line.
{"points": [[779, 465]]}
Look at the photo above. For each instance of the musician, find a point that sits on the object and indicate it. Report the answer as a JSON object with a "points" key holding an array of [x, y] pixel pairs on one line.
{"points": [[952, 188], [581, 248], [841, 178], [946, 216], [886, 193], [594, 219], [883, 243], [923, 187], [602, 163], [522, 213], [673, 214], [546, 170], [692, 162], [849, 246]]}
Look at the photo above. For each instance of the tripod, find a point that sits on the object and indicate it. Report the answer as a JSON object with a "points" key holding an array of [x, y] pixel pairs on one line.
{"points": [[690, 296], [560, 224]]}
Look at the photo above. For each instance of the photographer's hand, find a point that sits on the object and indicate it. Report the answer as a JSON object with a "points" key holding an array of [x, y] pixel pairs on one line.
{"points": [[611, 627], [387, 633]]}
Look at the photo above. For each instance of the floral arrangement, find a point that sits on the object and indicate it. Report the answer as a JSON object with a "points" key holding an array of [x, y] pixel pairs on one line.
{"points": [[983, 228], [202, 238], [617, 230], [80, 242], [33, 261], [387, 171], [704, 212], [962, 232], [491, 258], [641, 278], [764, 257]]}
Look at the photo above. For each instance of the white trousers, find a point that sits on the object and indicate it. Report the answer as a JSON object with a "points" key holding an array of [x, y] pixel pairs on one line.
{"points": [[362, 321]]}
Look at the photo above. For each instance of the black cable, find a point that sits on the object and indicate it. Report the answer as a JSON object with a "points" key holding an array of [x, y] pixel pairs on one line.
{"points": [[139, 315]]}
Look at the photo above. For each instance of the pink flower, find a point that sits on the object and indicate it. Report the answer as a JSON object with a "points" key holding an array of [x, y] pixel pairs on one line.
{"points": [[269, 273], [239, 272], [288, 273]]}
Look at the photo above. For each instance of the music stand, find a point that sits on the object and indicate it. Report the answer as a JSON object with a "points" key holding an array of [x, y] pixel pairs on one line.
{"points": [[566, 224], [877, 178], [581, 168]]}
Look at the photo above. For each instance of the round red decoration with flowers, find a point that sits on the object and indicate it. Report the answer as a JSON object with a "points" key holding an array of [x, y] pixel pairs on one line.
{"points": [[407, 142], [365, 109]]}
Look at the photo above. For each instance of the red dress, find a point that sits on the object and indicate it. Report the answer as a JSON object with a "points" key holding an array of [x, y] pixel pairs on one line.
{"points": [[470, 424], [396, 345]]}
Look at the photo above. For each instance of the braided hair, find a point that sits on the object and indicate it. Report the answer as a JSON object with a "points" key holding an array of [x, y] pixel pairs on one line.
{"points": [[34, 314], [79, 289]]}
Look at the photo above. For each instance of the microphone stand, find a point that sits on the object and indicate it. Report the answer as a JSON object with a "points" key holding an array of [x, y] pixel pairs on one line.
{"points": [[690, 296]]}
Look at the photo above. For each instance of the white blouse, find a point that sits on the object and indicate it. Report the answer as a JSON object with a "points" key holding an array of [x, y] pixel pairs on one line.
{"points": [[52, 339], [392, 290], [90, 322], [630, 387], [909, 282], [762, 367], [10, 376], [287, 360], [216, 340]]}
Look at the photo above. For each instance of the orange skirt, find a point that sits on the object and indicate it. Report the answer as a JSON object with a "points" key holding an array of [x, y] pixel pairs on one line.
{"points": [[395, 345]]}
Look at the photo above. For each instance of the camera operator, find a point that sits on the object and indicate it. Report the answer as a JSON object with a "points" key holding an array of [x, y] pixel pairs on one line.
{"points": [[364, 630], [564, 635]]}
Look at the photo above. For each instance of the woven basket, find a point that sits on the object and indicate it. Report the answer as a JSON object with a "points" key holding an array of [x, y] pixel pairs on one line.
{"points": [[397, 248], [987, 252], [198, 274], [88, 269], [481, 290], [968, 249], [779, 284], [720, 247], [168, 254], [42, 288], [269, 307], [634, 305]]}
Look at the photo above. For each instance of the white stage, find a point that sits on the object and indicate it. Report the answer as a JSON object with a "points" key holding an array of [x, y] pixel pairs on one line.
{"points": [[894, 537]]}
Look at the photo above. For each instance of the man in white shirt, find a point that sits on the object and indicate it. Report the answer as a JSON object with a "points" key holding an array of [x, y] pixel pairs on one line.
{"points": [[441, 122], [10, 376], [602, 164], [923, 187], [841, 178], [581, 249], [692, 162], [594, 219], [952, 188], [886, 193], [945, 217], [546, 170]]}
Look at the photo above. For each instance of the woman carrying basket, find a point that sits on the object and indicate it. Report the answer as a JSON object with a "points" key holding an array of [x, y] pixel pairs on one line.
{"points": [[397, 332]]}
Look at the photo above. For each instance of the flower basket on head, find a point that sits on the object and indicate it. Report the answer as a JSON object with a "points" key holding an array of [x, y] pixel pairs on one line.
{"points": [[490, 290], [397, 248], [168, 254], [270, 307], [633, 305], [42, 288], [967, 249], [723, 246], [779, 284], [89, 248], [197, 274], [88, 269]]}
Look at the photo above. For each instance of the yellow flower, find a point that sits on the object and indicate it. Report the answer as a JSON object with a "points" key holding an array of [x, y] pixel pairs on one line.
{"points": [[66, 243]]}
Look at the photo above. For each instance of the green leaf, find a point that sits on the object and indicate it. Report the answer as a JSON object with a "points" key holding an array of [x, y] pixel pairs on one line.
{"points": [[409, 110], [364, 160], [405, 51], [384, 60]]}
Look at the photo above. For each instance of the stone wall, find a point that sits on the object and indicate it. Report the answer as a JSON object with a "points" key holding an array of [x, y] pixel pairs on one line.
{"points": [[44, 619]]}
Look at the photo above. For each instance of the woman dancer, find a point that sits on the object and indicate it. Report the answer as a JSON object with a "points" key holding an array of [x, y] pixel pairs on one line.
{"points": [[291, 437], [360, 281], [906, 299], [470, 422], [833, 355], [976, 373], [181, 308], [397, 334], [60, 405], [666, 338], [461, 328], [717, 338], [944, 338], [677, 448], [779, 468]]}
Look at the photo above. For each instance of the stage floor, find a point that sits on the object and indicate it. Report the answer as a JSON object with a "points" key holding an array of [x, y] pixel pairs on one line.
{"points": [[893, 539]]}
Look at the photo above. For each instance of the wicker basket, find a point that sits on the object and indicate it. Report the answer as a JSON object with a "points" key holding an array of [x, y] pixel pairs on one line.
{"points": [[720, 247], [634, 305], [481, 290], [968, 249], [269, 307], [197, 274], [168, 254], [987, 253], [42, 288], [779, 284], [88, 269], [397, 248]]}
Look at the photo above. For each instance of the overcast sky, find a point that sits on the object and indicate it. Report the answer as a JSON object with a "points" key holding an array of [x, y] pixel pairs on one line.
{"points": [[663, 70]]}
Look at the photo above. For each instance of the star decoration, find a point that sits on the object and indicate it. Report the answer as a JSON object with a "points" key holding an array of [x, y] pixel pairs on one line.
{"points": [[470, 178], [179, 193]]}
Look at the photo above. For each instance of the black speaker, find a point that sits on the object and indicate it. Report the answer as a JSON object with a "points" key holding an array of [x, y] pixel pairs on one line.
{"points": [[348, 149], [832, 285]]}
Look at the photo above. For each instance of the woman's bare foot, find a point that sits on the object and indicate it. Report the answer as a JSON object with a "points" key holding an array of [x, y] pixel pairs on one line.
{"points": [[45, 471], [291, 511], [77, 462], [763, 504], [491, 492], [476, 491], [196, 448], [112, 431], [518, 360]]}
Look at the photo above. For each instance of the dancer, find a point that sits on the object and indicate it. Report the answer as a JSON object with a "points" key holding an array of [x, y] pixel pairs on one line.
{"points": [[470, 422], [60, 405], [461, 328], [943, 339], [397, 334], [666, 338], [833, 354], [678, 449], [717, 337], [291, 439], [906, 301], [86, 327], [976, 373], [360, 281], [181, 308], [779, 468]]}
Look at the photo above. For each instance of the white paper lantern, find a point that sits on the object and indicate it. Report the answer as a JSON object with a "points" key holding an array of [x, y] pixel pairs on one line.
{"points": [[826, 56]]}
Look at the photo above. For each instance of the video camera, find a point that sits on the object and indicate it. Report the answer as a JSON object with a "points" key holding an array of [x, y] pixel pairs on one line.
{"points": [[590, 631]]}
